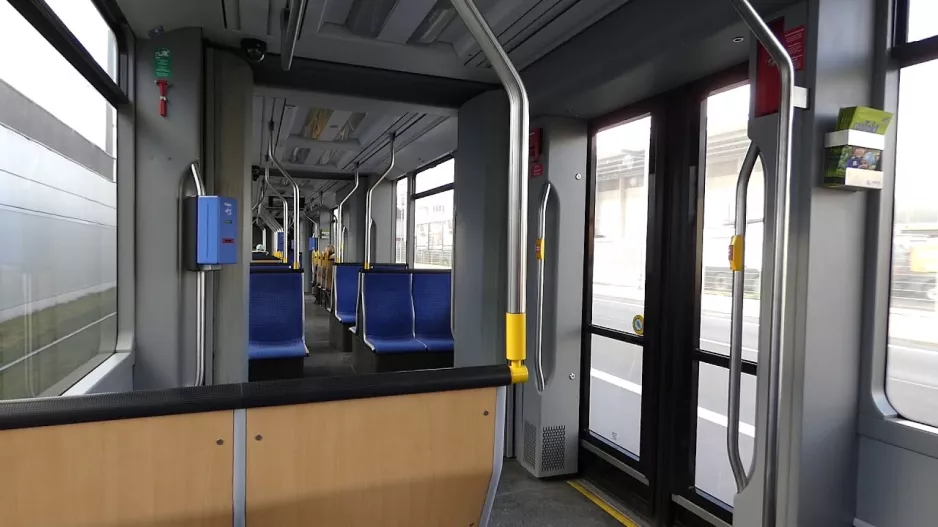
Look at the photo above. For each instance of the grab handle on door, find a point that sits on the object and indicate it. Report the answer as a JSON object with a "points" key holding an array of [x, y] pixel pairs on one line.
{"points": [[737, 257], [539, 320]]}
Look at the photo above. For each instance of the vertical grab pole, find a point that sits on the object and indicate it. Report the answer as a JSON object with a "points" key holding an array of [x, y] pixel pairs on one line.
{"points": [[368, 198], [286, 215], [296, 203], [339, 228], [780, 282], [738, 266], [199, 296], [541, 256], [515, 327]]}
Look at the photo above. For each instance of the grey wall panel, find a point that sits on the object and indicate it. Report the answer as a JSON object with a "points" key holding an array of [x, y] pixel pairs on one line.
{"points": [[165, 148], [481, 201], [354, 220], [383, 213], [231, 100], [895, 486]]}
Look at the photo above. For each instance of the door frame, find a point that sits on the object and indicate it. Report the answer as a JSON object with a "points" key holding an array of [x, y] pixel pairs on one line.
{"points": [[663, 475]]}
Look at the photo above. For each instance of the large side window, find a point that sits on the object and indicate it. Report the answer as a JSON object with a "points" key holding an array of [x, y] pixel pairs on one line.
{"points": [[58, 279], [433, 216], [400, 220], [912, 365]]}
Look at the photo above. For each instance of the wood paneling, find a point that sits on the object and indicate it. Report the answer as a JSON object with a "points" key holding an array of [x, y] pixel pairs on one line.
{"points": [[412, 460], [152, 472]]}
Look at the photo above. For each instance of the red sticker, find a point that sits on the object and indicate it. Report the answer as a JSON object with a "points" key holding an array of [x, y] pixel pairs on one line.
{"points": [[537, 169], [768, 79]]}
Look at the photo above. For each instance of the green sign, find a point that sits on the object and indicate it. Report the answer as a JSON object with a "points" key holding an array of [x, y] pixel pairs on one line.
{"points": [[162, 63]]}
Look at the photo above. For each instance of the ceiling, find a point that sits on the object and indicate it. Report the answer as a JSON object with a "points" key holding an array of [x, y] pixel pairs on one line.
{"points": [[321, 137], [417, 36]]}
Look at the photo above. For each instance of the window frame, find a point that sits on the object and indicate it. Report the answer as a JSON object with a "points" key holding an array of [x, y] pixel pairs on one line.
{"points": [[51, 27], [413, 197], [877, 418]]}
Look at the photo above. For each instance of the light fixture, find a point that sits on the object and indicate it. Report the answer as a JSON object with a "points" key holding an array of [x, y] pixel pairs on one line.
{"points": [[367, 17], [433, 25]]}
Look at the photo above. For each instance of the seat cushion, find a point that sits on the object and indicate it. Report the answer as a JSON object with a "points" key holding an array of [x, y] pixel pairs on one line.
{"points": [[345, 317], [440, 344], [276, 350], [395, 345]]}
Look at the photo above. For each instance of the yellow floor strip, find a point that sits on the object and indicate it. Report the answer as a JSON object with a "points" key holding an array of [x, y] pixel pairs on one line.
{"points": [[621, 518]]}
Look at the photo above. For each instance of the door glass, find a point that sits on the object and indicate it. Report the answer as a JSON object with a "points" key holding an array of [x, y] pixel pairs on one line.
{"points": [[621, 224], [712, 471], [616, 392], [727, 142]]}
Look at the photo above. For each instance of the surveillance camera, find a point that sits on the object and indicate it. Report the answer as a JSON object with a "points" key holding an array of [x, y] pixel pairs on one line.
{"points": [[255, 50]]}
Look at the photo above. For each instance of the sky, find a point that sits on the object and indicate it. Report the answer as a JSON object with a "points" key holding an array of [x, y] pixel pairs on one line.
{"points": [[40, 73]]}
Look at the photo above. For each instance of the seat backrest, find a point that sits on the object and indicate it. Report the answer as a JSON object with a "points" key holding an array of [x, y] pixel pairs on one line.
{"points": [[345, 287], [432, 303], [390, 266], [276, 305], [387, 306]]}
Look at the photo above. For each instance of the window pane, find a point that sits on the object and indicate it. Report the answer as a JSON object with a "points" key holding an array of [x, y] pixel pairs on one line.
{"points": [[400, 221], [912, 368], [923, 19], [616, 392], [84, 20], [621, 223], [433, 238], [727, 142], [58, 219], [712, 473], [437, 176]]}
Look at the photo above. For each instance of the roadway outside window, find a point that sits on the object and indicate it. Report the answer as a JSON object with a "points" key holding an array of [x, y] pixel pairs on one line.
{"points": [[58, 277], [85, 22], [433, 217], [912, 359], [400, 220]]}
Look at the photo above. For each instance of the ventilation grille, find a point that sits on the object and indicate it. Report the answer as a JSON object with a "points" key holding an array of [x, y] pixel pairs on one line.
{"points": [[553, 448], [530, 444]]}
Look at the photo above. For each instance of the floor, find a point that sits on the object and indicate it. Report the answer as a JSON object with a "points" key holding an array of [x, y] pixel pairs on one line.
{"points": [[522, 500]]}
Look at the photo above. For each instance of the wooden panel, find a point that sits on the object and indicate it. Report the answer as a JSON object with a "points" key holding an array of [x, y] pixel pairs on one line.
{"points": [[153, 472], [409, 460]]}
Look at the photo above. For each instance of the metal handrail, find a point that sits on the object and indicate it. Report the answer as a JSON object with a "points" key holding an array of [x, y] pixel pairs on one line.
{"points": [[296, 201], [540, 378], [515, 326], [738, 266], [782, 59], [290, 27], [199, 296], [368, 200], [340, 249], [286, 214]]}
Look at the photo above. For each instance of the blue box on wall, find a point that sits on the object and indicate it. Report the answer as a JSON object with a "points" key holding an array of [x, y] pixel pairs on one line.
{"points": [[211, 231]]}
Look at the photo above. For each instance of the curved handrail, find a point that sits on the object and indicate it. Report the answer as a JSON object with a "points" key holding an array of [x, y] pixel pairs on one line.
{"points": [[199, 296], [368, 199], [515, 325], [286, 215], [786, 69], [339, 232], [738, 267], [296, 202], [540, 378]]}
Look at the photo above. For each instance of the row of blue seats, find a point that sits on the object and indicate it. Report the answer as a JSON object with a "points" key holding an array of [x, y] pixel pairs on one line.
{"points": [[276, 313], [345, 287], [406, 311]]}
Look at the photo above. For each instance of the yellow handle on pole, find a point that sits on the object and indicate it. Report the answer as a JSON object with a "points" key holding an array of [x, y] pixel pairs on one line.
{"points": [[516, 346]]}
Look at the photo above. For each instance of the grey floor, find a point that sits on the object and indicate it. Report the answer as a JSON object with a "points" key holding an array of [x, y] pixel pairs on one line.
{"points": [[525, 500], [521, 500]]}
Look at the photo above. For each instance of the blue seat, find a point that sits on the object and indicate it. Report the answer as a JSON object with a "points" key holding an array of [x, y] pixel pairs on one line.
{"points": [[388, 313], [276, 315], [345, 291], [431, 294]]}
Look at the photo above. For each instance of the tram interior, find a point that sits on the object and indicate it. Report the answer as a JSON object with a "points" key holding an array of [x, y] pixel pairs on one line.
{"points": [[386, 345]]}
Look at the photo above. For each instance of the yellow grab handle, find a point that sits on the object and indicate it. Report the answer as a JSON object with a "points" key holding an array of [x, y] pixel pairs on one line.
{"points": [[737, 250], [515, 346]]}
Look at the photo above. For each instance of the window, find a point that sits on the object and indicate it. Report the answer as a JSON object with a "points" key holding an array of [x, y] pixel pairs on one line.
{"points": [[85, 22], [912, 365], [727, 142], [400, 220], [621, 224], [922, 19], [58, 277], [433, 216]]}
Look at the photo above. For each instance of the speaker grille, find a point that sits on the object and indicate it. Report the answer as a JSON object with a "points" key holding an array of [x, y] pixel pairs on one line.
{"points": [[530, 444], [553, 451]]}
